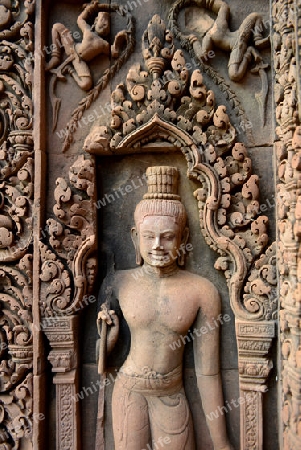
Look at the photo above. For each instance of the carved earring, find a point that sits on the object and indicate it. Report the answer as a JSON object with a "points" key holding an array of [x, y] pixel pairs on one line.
{"points": [[135, 240], [139, 259], [182, 249], [181, 258]]}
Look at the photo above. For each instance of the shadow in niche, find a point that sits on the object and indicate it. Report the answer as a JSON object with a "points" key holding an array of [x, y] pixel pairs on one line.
{"points": [[115, 220]]}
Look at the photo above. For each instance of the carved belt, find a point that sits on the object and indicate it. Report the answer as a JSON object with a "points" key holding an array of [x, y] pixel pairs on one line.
{"points": [[152, 383]]}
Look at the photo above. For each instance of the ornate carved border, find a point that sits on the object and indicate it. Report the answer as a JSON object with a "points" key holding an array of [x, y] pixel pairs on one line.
{"points": [[286, 39], [16, 224]]}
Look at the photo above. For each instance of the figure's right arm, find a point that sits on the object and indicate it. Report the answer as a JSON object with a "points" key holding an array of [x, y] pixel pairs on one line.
{"points": [[89, 10]]}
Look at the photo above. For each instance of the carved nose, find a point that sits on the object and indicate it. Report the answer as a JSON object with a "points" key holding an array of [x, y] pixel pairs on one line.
{"points": [[157, 245]]}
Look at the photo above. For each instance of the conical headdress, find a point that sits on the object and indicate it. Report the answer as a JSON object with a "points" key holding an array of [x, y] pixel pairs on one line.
{"points": [[162, 197]]}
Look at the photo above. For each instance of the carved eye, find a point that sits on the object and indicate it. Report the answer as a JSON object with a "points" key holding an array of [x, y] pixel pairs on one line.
{"points": [[148, 236], [169, 237]]}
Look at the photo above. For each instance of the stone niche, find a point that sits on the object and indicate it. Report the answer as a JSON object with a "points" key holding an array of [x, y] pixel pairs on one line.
{"points": [[150, 84]]}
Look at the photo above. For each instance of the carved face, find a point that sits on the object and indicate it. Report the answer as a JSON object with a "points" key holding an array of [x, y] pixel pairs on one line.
{"points": [[102, 24], [159, 239]]}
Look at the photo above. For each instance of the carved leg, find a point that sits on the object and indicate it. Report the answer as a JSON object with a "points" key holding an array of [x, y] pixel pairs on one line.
{"points": [[130, 419], [238, 69], [61, 37], [81, 73]]}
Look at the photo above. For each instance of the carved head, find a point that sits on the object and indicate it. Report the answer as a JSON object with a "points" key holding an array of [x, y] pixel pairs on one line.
{"points": [[102, 24], [160, 220]]}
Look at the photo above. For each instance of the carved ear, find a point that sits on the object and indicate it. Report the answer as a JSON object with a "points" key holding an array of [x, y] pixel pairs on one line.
{"points": [[135, 240], [185, 236]]}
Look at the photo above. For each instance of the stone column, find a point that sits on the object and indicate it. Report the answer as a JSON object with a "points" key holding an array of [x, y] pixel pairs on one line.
{"points": [[62, 333], [254, 340], [286, 52]]}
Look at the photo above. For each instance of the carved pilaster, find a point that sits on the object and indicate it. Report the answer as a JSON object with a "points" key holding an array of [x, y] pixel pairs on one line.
{"points": [[67, 411], [254, 340], [62, 333], [16, 224], [286, 38]]}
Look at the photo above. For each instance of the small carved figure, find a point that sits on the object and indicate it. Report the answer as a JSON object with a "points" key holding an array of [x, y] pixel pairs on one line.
{"points": [[243, 44], [236, 42], [160, 307], [93, 44]]}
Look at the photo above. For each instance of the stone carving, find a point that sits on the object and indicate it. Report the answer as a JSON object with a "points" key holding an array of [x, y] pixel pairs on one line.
{"points": [[68, 269], [243, 44], [94, 22], [286, 30], [149, 386], [16, 223], [16, 352], [163, 102], [68, 263], [16, 143]]}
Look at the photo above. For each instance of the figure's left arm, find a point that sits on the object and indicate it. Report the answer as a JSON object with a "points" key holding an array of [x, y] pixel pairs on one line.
{"points": [[207, 365]]}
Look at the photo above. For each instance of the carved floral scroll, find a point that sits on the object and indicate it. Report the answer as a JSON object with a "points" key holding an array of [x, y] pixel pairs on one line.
{"points": [[286, 38], [16, 223]]}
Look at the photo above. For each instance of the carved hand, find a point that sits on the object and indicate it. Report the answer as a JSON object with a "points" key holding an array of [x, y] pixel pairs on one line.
{"points": [[110, 318]]}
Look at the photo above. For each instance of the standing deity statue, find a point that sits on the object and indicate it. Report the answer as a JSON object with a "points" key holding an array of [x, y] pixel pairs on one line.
{"points": [[149, 404]]}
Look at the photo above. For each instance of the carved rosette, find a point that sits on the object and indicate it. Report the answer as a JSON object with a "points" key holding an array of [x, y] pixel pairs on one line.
{"points": [[16, 225], [162, 102], [286, 38]]}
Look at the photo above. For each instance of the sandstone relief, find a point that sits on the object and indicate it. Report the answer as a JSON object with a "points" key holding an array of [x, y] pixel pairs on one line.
{"points": [[243, 44], [16, 223], [148, 398], [286, 38], [167, 102], [71, 58], [162, 101]]}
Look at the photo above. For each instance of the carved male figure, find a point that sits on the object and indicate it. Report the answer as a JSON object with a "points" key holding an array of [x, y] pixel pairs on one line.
{"points": [[149, 402], [236, 42], [92, 45]]}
